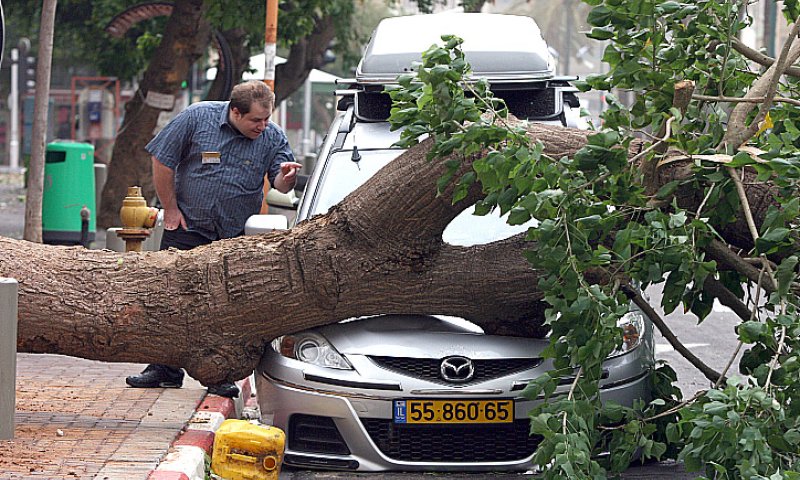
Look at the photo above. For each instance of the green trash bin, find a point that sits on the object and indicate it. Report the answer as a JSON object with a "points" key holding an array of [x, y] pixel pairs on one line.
{"points": [[68, 187]]}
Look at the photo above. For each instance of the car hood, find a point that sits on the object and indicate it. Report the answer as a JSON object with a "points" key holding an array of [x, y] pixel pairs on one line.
{"points": [[421, 336]]}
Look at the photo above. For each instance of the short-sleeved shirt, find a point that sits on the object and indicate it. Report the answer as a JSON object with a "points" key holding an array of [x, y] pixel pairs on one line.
{"points": [[217, 198]]}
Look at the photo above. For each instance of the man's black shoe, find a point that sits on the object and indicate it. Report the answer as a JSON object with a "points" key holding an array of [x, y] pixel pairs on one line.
{"points": [[157, 376], [228, 390]]}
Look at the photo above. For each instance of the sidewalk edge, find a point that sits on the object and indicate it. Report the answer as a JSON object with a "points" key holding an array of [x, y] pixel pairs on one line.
{"points": [[191, 451]]}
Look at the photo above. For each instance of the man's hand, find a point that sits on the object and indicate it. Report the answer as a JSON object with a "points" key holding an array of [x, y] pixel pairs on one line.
{"points": [[173, 218], [289, 171], [287, 176]]}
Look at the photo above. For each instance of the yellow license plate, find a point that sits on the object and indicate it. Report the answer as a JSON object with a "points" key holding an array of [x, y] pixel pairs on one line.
{"points": [[453, 411]]}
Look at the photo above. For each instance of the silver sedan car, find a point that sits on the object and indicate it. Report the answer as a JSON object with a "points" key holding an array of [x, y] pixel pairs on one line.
{"points": [[419, 393], [415, 392]]}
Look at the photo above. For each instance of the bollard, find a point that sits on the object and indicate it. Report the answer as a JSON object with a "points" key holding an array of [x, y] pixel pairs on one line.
{"points": [[85, 214], [8, 356]]}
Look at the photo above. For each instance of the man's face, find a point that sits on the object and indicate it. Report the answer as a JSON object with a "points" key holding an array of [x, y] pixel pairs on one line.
{"points": [[252, 123]]}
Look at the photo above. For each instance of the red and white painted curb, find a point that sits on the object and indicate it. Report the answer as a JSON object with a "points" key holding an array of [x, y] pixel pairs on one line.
{"points": [[192, 449]]}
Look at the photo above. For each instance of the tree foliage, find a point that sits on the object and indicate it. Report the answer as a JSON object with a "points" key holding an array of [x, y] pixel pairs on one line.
{"points": [[81, 37], [606, 219]]}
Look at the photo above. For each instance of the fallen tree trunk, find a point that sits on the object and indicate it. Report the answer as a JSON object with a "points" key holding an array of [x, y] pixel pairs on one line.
{"points": [[213, 309]]}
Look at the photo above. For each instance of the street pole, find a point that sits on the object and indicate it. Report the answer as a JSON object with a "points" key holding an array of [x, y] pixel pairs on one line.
{"points": [[568, 26], [270, 49], [33, 203], [270, 43], [13, 102], [770, 12], [306, 144]]}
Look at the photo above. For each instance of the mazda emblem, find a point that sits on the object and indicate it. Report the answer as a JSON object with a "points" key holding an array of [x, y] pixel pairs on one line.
{"points": [[457, 369]]}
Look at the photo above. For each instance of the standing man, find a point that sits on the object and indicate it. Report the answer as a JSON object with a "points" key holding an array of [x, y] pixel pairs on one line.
{"points": [[209, 165]]}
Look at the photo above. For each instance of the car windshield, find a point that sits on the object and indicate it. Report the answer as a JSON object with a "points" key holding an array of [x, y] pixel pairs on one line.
{"points": [[342, 176]]}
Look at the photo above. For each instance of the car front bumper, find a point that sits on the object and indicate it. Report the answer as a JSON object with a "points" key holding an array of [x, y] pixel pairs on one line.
{"points": [[336, 430]]}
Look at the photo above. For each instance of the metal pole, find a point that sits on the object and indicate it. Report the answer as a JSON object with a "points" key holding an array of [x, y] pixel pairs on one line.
{"points": [[270, 43], [270, 49], [13, 101], [306, 144], [770, 12], [567, 54], [8, 356]]}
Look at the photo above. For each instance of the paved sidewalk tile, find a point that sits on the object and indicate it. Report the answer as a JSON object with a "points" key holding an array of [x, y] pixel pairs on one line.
{"points": [[77, 419]]}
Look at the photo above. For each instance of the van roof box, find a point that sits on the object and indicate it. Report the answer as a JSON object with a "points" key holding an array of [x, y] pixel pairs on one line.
{"points": [[501, 48]]}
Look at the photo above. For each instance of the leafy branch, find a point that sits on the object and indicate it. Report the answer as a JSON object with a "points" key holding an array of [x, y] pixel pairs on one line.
{"points": [[602, 223]]}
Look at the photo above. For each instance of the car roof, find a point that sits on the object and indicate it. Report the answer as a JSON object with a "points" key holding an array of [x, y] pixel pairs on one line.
{"points": [[498, 47]]}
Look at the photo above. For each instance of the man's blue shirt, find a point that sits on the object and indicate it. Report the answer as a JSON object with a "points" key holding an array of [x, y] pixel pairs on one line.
{"points": [[217, 198]]}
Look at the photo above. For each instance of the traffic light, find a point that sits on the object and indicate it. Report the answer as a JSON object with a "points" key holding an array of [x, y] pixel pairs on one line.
{"points": [[29, 74]]}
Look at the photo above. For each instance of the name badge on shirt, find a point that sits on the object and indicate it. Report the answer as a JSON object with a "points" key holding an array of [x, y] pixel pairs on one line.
{"points": [[210, 157]]}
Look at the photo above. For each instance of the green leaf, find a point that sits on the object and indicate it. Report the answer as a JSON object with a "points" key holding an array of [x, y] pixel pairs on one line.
{"points": [[769, 242], [715, 408], [600, 16], [668, 8], [518, 216], [792, 437], [785, 274], [751, 331], [601, 33], [590, 221], [667, 190]]}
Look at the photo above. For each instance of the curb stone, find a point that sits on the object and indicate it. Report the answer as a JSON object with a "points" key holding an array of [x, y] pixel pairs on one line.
{"points": [[190, 454]]}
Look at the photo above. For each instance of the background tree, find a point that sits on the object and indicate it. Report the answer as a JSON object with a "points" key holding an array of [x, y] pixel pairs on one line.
{"points": [[306, 27], [33, 204], [161, 51]]}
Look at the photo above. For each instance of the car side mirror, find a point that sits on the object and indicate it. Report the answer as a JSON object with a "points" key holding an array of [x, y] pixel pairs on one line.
{"points": [[284, 200]]}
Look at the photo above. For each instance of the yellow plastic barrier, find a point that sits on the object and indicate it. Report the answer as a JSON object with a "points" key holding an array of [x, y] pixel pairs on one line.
{"points": [[244, 451]]}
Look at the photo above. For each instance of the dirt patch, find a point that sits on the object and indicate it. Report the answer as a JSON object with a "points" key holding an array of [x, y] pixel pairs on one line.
{"points": [[40, 451]]}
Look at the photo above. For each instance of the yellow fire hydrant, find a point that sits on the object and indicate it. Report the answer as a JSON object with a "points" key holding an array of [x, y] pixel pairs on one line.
{"points": [[137, 220]]}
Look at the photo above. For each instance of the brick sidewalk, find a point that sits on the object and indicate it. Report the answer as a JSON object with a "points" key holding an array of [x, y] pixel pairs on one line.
{"points": [[77, 419]]}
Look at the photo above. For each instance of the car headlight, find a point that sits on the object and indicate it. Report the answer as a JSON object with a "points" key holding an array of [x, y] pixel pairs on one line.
{"points": [[633, 329], [310, 348]]}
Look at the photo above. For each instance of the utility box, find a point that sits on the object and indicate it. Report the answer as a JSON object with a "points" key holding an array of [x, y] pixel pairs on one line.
{"points": [[68, 187]]}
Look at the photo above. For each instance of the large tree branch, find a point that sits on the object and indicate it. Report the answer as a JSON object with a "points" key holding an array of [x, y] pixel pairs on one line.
{"points": [[723, 255], [679, 347], [739, 131], [761, 58], [304, 56]]}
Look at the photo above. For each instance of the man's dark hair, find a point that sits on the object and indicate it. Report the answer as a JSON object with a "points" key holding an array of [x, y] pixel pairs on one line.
{"points": [[249, 92]]}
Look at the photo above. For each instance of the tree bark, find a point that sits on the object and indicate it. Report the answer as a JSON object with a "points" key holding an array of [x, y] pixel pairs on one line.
{"points": [[186, 37], [33, 204]]}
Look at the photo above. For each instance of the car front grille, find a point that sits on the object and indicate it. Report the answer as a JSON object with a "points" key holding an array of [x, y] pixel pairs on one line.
{"points": [[453, 443], [315, 434], [430, 368]]}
